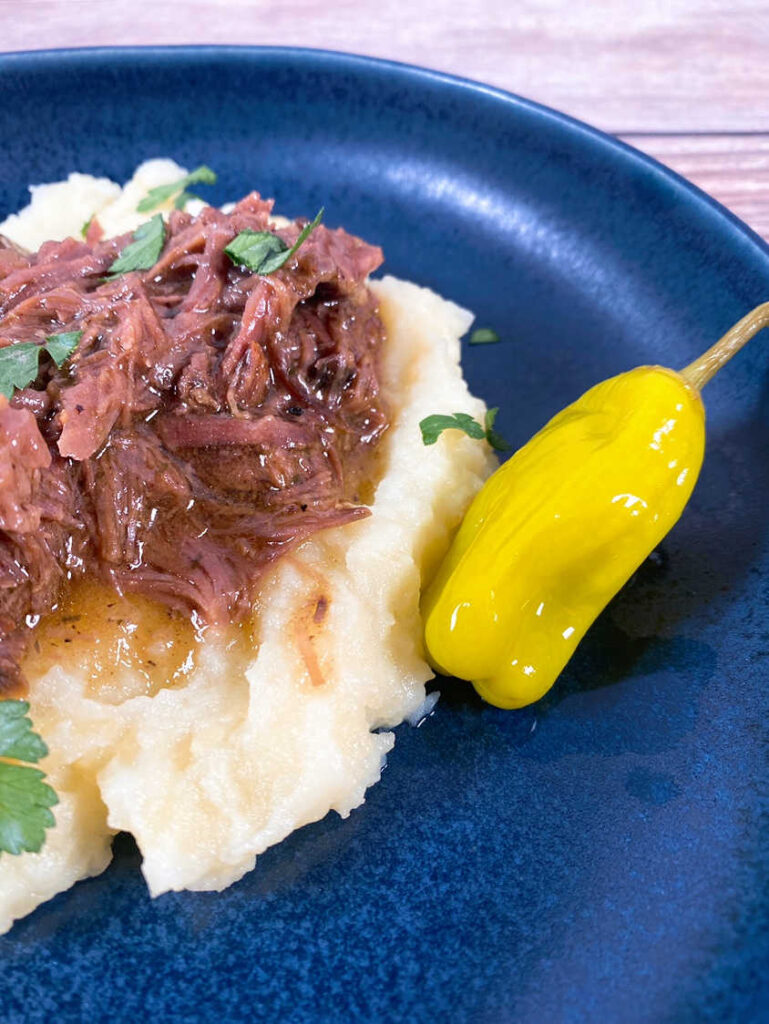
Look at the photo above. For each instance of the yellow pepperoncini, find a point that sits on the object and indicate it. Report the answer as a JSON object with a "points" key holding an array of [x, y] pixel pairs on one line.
{"points": [[557, 530]]}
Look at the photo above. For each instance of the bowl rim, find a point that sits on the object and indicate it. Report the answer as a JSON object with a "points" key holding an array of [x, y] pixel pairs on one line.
{"points": [[21, 61]]}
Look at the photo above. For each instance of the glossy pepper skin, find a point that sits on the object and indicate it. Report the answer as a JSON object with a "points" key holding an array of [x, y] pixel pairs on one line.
{"points": [[554, 534], [558, 529]]}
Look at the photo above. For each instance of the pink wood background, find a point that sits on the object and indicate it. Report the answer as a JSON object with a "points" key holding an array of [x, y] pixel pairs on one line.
{"points": [[685, 80]]}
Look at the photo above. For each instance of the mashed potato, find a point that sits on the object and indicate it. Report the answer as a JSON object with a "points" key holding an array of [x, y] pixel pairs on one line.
{"points": [[207, 773]]}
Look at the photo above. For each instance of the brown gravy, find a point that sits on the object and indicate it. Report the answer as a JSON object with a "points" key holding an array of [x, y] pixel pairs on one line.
{"points": [[116, 638]]}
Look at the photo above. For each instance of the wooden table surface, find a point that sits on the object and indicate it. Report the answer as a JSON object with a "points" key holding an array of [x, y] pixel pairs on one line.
{"points": [[685, 80]]}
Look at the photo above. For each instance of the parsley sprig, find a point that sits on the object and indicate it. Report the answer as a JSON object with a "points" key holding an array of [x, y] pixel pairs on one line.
{"points": [[262, 252], [145, 249], [484, 336], [433, 426], [19, 363], [25, 799], [162, 193]]}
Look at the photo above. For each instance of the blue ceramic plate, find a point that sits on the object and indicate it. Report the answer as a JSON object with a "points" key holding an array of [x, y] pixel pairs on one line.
{"points": [[602, 855]]}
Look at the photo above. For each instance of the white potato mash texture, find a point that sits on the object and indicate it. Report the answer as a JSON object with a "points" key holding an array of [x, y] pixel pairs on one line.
{"points": [[208, 774]]}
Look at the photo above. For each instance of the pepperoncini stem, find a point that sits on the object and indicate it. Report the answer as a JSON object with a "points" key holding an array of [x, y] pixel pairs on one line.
{"points": [[709, 363]]}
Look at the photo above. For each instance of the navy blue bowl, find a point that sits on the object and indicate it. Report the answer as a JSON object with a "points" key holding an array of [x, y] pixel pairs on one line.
{"points": [[602, 855]]}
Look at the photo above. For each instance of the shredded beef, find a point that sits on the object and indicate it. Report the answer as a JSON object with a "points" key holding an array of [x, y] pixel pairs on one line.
{"points": [[209, 419]]}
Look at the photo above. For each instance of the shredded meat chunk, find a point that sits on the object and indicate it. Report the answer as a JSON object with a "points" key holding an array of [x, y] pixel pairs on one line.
{"points": [[209, 419]]}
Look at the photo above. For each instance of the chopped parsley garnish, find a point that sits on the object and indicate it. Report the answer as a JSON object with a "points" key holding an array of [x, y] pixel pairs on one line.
{"points": [[262, 252], [144, 252], [18, 366], [19, 363], [86, 226], [433, 426], [162, 193], [494, 438], [483, 336], [61, 346], [25, 800]]}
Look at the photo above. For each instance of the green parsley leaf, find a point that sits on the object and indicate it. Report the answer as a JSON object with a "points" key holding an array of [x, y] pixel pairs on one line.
{"points": [[144, 252], [25, 800], [483, 336], [251, 248], [466, 422], [262, 252], [433, 426], [61, 346], [17, 740], [86, 226], [19, 363], [277, 261], [162, 193], [494, 438], [18, 366]]}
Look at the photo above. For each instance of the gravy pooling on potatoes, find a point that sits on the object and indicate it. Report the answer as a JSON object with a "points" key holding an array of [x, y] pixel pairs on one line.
{"points": [[209, 419]]}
